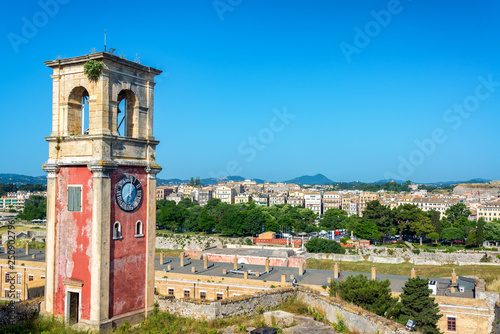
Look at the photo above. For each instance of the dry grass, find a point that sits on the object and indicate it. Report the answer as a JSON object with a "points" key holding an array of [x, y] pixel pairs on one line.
{"points": [[168, 252], [489, 273]]}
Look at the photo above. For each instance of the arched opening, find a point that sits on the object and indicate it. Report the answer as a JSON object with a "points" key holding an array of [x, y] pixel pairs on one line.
{"points": [[117, 231], [138, 229], [78, 111], [125, 114]]}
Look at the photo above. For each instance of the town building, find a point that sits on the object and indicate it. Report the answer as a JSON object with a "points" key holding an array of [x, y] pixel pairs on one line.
{"points": [[489, 211], [312, 201], [205, 195], [225, 194], [331, 200]]}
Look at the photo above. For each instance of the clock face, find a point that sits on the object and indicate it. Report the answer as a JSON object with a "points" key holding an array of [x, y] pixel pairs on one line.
{"points": [[128, 193]]}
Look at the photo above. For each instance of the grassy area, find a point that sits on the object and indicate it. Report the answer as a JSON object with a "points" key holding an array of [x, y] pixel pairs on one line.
{"points": [[168, 252], [33, 244], [491, 274], [19, 228], [159, 322]]}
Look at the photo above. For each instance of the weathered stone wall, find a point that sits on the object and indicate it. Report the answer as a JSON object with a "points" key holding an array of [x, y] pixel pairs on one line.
{"points": [[356, 318], [22, 311], [224, 308], [195, 243]]}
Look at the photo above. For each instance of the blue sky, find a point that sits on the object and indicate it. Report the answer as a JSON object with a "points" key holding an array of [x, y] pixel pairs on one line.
{"points": [[353, 89]]}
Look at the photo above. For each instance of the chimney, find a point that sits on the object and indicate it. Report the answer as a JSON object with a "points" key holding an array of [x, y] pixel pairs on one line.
{"points": [[301, 268], [453, 281], [336, 270], [235, 263], [245, 275], [374, 273], [27, 248], [267, 264], [161, 258], [205, 261], [413, 275], [169, 267], [193, 269], [182, 259], [283, 279]]}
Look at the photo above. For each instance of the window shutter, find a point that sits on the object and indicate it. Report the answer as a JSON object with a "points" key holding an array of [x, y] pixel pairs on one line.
{"points": [[70, 198], [78, 198]]}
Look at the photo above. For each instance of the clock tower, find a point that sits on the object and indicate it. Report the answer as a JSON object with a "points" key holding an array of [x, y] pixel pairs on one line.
{"points": [[101, 208]]}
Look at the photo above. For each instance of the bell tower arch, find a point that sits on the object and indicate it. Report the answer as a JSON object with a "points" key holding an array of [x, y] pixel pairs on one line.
{"points": [[100, 191]]}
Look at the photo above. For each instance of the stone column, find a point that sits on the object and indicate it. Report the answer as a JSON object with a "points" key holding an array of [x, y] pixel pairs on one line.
{"points": [[267, 264], [50, 248], [336, 270], [150, 235], [100, 242], [283, 279], [245, 275], [27, 248], [193, 269], [235, 263], [374, 273], [161, 258], [205, 261], [453, 281], [301, 268], [413, 275], [182, 259]]}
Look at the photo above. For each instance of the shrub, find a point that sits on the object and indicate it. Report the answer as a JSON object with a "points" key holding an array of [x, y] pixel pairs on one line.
{"points": [[319, 245], [416, 251]]}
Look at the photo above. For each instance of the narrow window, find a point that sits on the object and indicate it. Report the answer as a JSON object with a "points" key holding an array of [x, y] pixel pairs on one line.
{"points": [[75, 198], [19, 276], [138, 229], [170, 291], [30, 278], [203, 295], [18, 294], [42, 276], [85, 113], [6, 278], [219, 295], [452, 324], [6, 293], [117, 231], [186, 293]]}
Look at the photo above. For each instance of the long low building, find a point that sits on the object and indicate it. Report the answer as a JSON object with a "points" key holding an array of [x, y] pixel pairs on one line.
{"points": [[465, 306]]}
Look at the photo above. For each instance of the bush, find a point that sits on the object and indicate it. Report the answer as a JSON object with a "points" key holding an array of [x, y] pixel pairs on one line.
{"points": [[498, 256], [319, 245], [372, 295], [416, 251]]}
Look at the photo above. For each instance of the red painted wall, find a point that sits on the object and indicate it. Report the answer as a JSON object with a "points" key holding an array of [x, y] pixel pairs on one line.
{"points": [[128, 255], [73, 235]]}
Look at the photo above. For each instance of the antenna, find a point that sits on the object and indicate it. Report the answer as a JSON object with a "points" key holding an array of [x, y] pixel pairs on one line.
{"points": [[104, 40]]}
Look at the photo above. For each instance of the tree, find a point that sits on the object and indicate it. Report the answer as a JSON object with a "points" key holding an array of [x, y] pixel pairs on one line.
{"points": [[422, 226], [456, 211], [471, 240], [452, 233], [433, 236], [480, 231], [492, 231], [206, 222], [254, 221], [367, 230], [320, 245], [333, 219], [435, 217], [35, 208], [379, 214], [372, 295], [416, 304], [406, 214]]}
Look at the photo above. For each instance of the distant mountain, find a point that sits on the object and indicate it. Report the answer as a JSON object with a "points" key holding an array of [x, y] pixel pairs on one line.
{"points": [[22, 179], [317, 179], [208, 181]]}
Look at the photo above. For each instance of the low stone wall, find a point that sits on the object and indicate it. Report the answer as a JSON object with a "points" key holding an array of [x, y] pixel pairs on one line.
{"points": [[23, 311], [224, 308], [380, 259]]}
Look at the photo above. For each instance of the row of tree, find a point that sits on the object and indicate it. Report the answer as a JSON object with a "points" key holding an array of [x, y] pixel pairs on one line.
{"points": [[233, 219], [379, 220]]}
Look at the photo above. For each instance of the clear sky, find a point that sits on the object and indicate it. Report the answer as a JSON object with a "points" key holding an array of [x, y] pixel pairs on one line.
{"points": [[354, 89]]}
